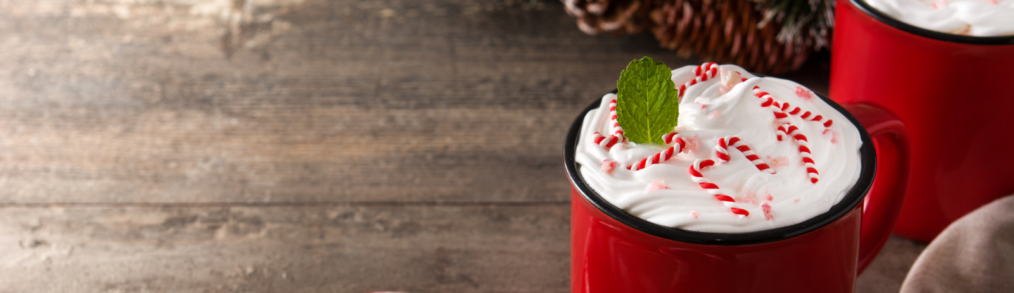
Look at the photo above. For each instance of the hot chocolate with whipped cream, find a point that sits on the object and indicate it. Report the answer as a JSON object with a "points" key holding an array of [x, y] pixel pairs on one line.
{"points": [[747, 154]]}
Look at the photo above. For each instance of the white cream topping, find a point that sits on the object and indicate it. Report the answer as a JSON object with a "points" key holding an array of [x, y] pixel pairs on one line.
{"points": [[664, 193], [961, 17]]}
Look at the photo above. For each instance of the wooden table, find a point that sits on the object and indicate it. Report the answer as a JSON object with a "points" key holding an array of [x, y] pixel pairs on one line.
{"points": [[301, 145]]}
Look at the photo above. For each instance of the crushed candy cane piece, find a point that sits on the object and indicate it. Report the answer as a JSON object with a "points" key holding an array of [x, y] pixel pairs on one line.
{"points": [[803, 93], [767, 212], [693, 144], [729, 79], [748, 197], [693, 214], [655, 186], [608, 166], [834, 135], [781, 161], [766, 195]]}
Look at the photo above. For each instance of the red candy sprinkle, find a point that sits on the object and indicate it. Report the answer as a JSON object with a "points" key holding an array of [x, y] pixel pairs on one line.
{"points": [[767, 212], [803, 93], [608, 166]]}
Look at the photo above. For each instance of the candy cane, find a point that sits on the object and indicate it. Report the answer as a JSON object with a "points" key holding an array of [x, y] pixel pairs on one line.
{"points": [[788, 129], [702, 73], [784, 130], [605, 142], [663, 155], [711, 188], [722, 152], [782, 111], [705, 67], [617, 130], [769, 102], [806, 115], [668, 137]]}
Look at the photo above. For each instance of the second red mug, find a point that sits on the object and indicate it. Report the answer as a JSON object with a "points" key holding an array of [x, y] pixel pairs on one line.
{"points": [[954, 93]]}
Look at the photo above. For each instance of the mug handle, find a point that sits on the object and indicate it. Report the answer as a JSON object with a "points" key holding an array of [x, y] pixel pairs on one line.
{"points": [[883, 202]]}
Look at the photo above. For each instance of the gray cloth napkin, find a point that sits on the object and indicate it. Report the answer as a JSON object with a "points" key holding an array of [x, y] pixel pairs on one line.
{"points": [[974, 254]]}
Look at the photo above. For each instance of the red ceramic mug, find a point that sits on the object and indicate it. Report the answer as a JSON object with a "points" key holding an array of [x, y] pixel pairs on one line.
{"points": [[613, 251], [954, 93]]}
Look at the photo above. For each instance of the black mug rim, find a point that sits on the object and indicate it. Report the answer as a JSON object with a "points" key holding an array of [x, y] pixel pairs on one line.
{"points": [[890, 21], [852, 198]]}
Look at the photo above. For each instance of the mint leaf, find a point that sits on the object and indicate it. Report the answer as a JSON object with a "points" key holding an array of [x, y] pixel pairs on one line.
{"points": [[647, 103]]}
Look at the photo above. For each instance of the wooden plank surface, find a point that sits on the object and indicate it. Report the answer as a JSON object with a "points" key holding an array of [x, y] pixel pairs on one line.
{"points": [[469, 248], [341, 248], [294, 101], [301, 145]]}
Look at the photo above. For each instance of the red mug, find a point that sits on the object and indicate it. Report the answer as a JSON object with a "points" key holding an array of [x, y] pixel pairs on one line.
{"points": [[613, 251], [955, 95]]}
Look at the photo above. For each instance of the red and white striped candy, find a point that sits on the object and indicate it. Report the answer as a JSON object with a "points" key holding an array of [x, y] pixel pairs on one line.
{"points": [[722, 152], [806, 115], [712, 188], [784, 129], [788, 129], [617, 130], [706, 67], [703, 73], [783, 109], [605, 142], [769, 102], [663, 155], [668, 137]]}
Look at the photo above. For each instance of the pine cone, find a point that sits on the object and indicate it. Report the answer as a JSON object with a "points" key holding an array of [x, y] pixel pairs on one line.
{"points": [[609, 16], [727, 31]]}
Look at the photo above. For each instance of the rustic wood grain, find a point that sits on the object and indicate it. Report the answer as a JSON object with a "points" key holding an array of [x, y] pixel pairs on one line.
{"points": [[110, 101], [338, 248], [471, 248], [294, 101]]}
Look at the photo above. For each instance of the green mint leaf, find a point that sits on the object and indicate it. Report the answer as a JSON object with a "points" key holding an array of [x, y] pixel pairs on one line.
{"points": [[647, 103]]}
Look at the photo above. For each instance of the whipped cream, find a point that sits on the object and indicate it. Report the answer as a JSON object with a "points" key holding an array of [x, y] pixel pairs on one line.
{"points": [[665, 193], [961, 17]]}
